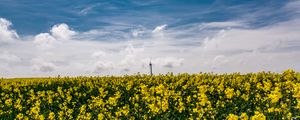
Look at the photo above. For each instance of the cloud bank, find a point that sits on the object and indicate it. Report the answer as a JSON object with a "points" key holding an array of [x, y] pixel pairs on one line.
{"points": [[6, 33], [228, 46]]}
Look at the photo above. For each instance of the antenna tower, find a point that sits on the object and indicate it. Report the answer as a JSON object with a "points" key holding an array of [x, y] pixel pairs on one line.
{"points": [[150, 65]]}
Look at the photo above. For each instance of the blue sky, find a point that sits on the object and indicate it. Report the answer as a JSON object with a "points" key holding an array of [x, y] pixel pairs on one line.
{"points": [[120, 37], [31, 17]]}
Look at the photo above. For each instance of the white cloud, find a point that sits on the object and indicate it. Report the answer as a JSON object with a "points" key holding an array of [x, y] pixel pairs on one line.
{"points": [[128, 60], [266, 38], [218, 61], [130, 57], [99, 54], [86, 9], [101, 66], [214, 42], [44, 40], [138, 31], [95, 32], [62, 32], [167, 62], [7, 57], [131, 50], [160, 28], [160, 33], [6, 33], [41, 65], [226, 24], [59, 32], [90, 8]]}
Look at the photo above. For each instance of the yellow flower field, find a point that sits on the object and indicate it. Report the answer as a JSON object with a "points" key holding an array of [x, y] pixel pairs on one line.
{"points": [[255, 96]]}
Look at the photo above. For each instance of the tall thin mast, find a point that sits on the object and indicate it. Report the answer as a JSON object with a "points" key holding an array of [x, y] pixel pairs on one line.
{"points": [[150, 65]]}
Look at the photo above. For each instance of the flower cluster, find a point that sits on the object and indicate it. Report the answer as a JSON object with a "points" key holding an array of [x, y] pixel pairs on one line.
{"points": [[256, 96]]}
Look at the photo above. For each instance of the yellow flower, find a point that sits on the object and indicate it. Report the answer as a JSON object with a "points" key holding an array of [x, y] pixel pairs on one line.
{"points": [[41, 117], [271, 110], [245, 97], [181, 107], [188, 99], [20, 116], [232, 117], [258, 116], [35, 110], [154, 108], [247, 86], [244, 116], [8, 102], [60, 114], [229, 92], [51, 116], [112, 101], [159, 89], [165, 105], [125, 110], [278, 110], [275, 95], [289, 115], [100, 116], [238, 93], [69, 98]]}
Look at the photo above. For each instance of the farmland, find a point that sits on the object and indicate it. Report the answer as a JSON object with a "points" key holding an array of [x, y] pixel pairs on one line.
{"points": [[261, 95]]}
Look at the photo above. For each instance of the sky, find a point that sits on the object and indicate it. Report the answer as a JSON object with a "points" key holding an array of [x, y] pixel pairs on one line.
{"points": [[106, 37]]}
